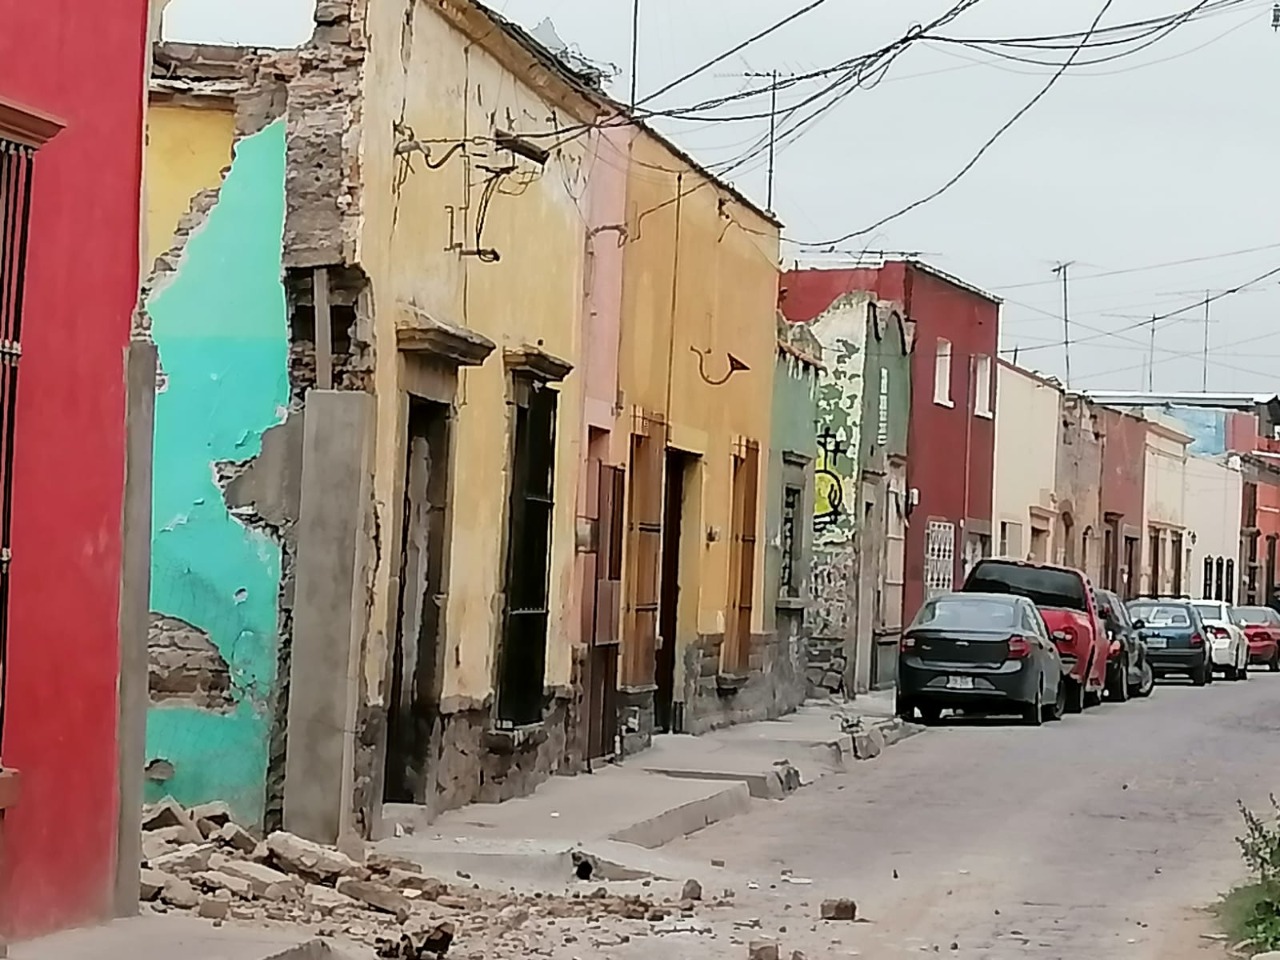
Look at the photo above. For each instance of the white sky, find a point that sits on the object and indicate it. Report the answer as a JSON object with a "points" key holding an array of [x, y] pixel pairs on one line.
{"points": [[1166, 155]]}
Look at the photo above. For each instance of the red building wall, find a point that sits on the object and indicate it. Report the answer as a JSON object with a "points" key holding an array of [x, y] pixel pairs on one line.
{"points": [[1124, 459], [82, 63], [950, 450]]}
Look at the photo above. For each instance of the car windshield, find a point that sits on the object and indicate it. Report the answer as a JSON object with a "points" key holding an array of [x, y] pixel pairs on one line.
{"points": [[1161, 614], [1210, 611], [1256, 615], [1043, 586], [967, 613]]}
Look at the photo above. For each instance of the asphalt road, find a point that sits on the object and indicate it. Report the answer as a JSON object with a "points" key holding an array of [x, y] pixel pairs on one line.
{"points": [[1100, 836]]}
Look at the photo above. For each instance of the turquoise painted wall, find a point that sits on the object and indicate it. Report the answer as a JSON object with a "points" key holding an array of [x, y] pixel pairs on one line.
{"points": [[221, 329]]}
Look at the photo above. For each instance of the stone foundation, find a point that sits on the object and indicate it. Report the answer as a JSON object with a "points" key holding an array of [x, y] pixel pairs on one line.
{"points": [[774, 685], [636, 720]]}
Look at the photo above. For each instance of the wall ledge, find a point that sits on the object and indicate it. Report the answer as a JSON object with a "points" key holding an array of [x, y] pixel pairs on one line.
{"points": [[10, 785]]}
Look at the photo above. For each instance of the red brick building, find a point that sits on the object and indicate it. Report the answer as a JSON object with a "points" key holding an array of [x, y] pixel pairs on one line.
{"points": [[71, 134]]}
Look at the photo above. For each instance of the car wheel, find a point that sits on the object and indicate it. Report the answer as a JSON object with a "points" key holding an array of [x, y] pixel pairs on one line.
{"points": [[1033, 713], [1056, 709], [905, 710], [1243, 672], [1075, 695], [930, 713], [1201, 675], [1118, 688], [1146, 682], [1274, 663]]}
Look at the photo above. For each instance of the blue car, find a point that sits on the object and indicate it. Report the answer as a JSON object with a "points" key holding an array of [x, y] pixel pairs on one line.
{"points": [[1175, 635]]}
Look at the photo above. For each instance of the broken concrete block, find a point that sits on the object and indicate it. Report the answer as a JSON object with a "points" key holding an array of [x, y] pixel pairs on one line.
{"points": [[326, 899], [309, 859], [376, 895], [215, 812], [312, 950], [179, 893], [207, 828], [183, 833], [212, 909], [189, 859], [214, 880], [868, 744], [152, 882], [839, 910], [384, 863], [237, 837], [429, 887], [763, 950], [167, 813], [692, 890], [154, 846], [262, 878]]}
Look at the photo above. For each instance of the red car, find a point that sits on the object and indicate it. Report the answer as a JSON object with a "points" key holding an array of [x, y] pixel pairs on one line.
{"points": [[1261, 627], [1066, 600]]}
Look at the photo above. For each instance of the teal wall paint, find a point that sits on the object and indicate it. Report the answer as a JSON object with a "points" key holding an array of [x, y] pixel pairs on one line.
{"points": [[221, 328]]}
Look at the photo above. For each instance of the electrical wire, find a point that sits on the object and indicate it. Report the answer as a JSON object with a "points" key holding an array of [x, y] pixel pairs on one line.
{"points": [[1144, 269]]}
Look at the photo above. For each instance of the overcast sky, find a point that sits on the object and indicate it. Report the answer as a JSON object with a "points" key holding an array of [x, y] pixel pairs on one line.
{"points": [[1167, 155]]}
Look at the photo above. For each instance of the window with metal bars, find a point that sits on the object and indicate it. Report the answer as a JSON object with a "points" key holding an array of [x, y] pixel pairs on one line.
{"points": [[791, 541], [15, 203], [523, 656]]}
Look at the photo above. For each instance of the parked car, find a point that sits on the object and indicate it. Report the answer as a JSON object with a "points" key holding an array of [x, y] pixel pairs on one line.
{"points": [[1128, 670], [1261, 627], [1175, 638], [1066, 601], [981, 653], [1227, 642]]}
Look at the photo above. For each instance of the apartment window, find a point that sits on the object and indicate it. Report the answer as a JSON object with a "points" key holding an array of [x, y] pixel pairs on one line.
{"points": [[789, 581], [982, 386], [1010, 540], [882, 426], [20, 136], [939, 557], [523, 656], [942, 374]]}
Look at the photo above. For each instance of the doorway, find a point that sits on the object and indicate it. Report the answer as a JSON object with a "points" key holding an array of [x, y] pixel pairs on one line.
{"points": [[678, 465], [1130, 571], [416, 664]]}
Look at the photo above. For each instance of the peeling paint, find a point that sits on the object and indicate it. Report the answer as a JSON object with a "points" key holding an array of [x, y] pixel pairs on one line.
{"points": [[220, 324]]}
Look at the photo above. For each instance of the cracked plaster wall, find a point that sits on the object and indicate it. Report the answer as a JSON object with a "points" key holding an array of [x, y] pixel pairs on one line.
{"points": [[220, 325]]}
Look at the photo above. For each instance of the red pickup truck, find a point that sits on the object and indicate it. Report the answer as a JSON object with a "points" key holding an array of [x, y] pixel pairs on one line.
{"points": [[1065, 599]]}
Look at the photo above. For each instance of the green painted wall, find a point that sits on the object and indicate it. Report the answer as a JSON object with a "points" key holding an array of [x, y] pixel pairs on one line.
{"points": [[221, 329], [887, 387], [794, 430]]}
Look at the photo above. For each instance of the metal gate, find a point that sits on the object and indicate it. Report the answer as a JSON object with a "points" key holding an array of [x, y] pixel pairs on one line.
{"points": [[15, 202]]}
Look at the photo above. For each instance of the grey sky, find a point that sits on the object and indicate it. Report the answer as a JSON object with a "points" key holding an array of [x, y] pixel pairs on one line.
{"points": [[1166, 155]]}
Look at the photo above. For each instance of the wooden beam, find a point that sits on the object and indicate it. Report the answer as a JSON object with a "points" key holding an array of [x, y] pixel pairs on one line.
{"points": [[324, 329]]}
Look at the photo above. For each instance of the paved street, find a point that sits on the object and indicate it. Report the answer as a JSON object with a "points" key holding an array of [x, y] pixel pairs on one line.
{"points": [[1096, 837]]}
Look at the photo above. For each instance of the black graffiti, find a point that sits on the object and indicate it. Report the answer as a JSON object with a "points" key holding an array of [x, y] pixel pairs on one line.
{"points": [[824, 471]]}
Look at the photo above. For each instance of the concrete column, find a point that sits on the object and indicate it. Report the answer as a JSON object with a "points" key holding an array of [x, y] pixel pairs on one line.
{"points": [[329, 612], [135, 597]]}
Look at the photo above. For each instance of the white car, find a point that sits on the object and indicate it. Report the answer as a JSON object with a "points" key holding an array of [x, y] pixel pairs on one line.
{"points": [[1227, 641]]}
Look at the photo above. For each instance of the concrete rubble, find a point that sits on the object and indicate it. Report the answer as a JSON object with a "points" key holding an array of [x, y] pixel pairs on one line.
{"points": [[386, 903]]}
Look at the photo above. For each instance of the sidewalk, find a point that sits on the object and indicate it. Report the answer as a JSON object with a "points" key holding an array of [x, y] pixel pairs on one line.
{"points": [[153, 937], [621, 815]]}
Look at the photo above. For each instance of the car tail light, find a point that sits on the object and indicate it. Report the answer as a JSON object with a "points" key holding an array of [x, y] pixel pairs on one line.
{"points": [[1220, 633], [1019, 648], [908, 644], [1197, 640]]}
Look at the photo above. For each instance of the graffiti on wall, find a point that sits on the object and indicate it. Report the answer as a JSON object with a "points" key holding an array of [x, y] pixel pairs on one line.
{"points": [[831, 482], [839, 434]]}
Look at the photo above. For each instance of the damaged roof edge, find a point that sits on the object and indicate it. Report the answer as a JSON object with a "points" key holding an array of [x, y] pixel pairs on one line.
{"points": [[198, 62], [608, 105]]}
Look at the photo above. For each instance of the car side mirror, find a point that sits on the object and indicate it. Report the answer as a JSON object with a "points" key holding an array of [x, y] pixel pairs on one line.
{"points": [[1139, 624]]}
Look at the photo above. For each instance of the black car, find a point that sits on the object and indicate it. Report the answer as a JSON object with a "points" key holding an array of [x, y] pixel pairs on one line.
{"points": [[980, 653], [1129, 672], [1174, 633]]}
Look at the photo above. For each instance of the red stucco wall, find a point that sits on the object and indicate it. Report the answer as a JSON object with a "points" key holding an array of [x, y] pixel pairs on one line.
{"points": [[84, 64], [950, 451], [1124, 459]]}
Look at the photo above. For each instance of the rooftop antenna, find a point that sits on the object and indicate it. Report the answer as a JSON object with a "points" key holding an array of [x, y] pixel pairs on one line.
{"points": [[1275, 17]]}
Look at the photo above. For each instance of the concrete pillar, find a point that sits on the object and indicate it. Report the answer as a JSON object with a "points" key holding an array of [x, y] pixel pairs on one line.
{"points": [[135, 603], [329, 612]]}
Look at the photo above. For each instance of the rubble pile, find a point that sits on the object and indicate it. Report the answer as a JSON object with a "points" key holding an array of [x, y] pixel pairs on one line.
{"points": [[202, 862]]}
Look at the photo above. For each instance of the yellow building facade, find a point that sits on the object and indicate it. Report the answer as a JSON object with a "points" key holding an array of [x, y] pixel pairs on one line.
{"points": [[696, 373]]}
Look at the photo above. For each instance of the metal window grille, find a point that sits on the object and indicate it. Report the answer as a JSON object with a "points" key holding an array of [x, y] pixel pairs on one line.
{"points": [[940, 557], [15, 204], [790, 541]]}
